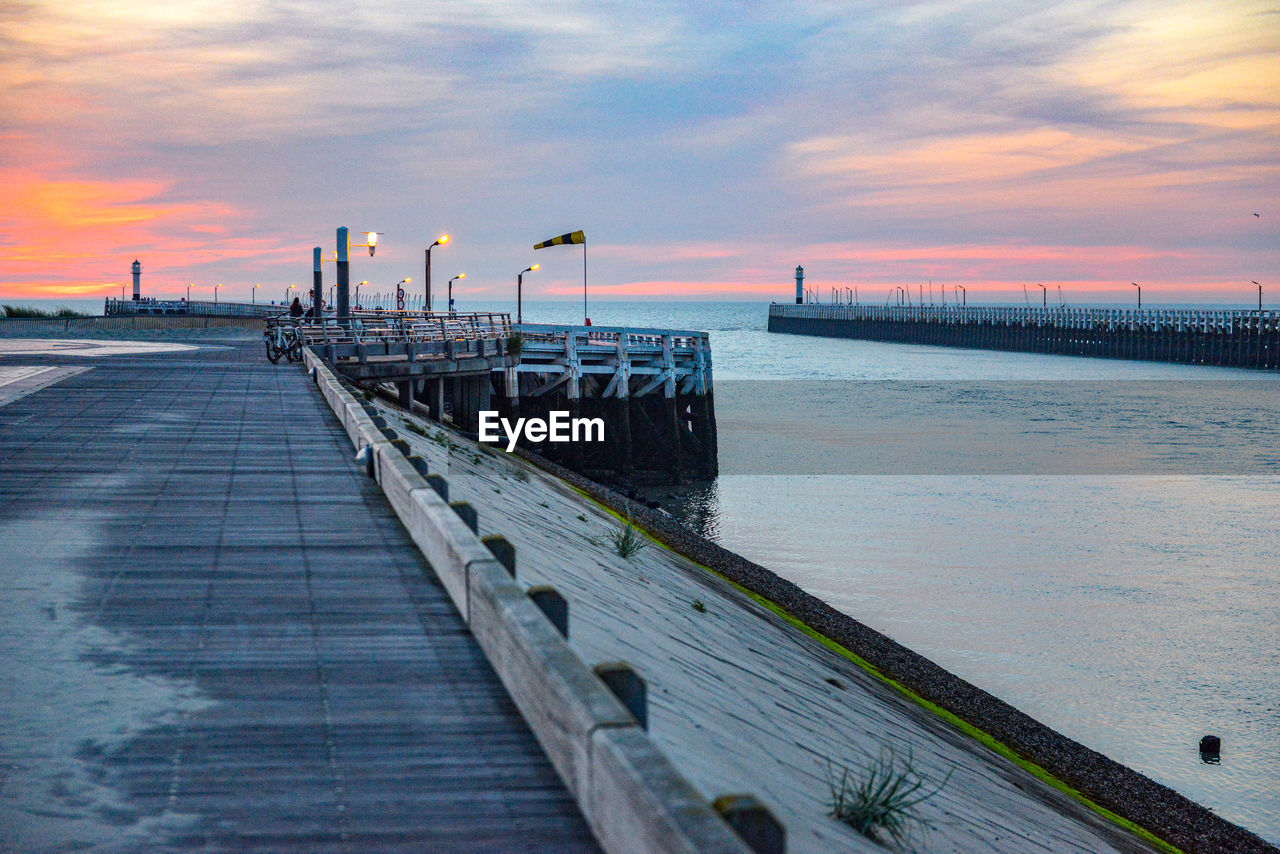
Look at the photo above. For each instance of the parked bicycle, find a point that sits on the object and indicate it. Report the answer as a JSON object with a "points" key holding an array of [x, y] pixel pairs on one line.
{"points": [[282, 339]]}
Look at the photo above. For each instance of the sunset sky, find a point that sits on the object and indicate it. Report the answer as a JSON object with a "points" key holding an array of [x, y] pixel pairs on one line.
{"points": [[706, 149]]}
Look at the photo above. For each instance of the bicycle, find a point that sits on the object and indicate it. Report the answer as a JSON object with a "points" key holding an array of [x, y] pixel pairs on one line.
{"points": [[282, 339]]}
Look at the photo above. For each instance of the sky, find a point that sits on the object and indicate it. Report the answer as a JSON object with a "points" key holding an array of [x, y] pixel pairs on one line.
{"points": [[705, 149]]}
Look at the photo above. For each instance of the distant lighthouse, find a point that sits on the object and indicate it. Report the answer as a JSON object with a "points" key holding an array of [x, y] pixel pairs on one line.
{"points": [[799, 284], [137, 280]]}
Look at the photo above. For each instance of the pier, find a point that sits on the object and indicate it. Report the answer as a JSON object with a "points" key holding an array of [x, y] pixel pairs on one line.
{"points": [[1244, 339], [219, 635], [652, 387], [152, 307]]}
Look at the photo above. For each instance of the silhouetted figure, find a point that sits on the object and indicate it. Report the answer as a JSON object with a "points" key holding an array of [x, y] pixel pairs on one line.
{"points": [[295, 309]]}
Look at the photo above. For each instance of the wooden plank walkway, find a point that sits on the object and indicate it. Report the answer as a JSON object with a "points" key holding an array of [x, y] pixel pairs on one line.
{"points": [[216, 634]]}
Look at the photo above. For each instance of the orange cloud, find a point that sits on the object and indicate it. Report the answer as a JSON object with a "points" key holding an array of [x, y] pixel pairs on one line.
{"points": [[67, 235]]}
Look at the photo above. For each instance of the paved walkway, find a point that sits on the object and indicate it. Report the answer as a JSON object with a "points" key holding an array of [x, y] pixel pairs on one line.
{"points": [[214, 633]]}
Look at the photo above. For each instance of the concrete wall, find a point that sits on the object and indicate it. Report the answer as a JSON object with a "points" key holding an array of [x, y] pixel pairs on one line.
{"points": [[37, 327]]}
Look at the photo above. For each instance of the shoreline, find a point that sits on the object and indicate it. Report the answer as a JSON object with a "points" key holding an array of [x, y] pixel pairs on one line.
{"points": [[1150, 809]]}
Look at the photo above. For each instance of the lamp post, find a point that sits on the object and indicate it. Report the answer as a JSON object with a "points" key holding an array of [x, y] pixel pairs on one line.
{"points": [[215, 292], [365, 282], [519, 288], [190, 285], [1139, 287], [400, 294], [1259, 296], [343, 263], [286, 293], [964, 295], [1044, 295], [451, 281], [440, 241], [253, 294]]}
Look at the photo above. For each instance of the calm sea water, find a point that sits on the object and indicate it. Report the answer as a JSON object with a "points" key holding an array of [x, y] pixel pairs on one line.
{"points": [[1096, 542]]}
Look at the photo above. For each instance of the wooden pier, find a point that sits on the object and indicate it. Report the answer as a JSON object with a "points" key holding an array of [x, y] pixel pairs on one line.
{"points": [[652, 387], [220, 637], [1244, 339]]}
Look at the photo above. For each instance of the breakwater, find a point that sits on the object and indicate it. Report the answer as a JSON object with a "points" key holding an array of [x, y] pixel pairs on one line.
{"points": [[1246, 339]]}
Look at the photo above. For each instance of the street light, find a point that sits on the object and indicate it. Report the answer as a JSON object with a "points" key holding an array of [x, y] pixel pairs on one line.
{"points": [[964, 295], [1259, 295], [215, 292], [451, 281], [365, 282], [400, 294], [440, 241], [1139, 287], [253, 294], [519, 288], [1044, 295], [286, 293], [190, 285]]}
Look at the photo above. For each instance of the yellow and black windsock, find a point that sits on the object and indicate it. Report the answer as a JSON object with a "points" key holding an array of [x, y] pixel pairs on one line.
{"points": [[571, 237]]}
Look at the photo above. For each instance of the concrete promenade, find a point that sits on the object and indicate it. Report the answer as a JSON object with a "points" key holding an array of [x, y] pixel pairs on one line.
{"points": [[216, 634]]}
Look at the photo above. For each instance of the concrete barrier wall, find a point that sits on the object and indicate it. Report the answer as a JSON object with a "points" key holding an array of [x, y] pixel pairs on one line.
{"points": [[37, 327], [629, 792]]}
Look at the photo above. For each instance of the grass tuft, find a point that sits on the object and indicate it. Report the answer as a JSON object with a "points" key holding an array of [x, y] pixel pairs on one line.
{"points": [[627, 540], [16, 312], [883, 797]]}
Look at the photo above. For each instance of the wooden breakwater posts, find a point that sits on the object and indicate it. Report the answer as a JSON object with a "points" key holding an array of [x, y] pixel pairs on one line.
{"points": [[1245, 339], [652, 387]]}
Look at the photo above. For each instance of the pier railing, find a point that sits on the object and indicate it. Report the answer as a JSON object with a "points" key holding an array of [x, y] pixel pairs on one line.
{"points": [[149, 306], [383, 327], [542, 335], [1200, 336], [1205, 320]]}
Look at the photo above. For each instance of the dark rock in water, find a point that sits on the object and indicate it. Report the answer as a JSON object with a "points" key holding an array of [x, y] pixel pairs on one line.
{"points": [[1210, 749]]}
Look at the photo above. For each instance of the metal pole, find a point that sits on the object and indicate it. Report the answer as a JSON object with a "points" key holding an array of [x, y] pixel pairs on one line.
{"points": [[317, 283], [520, 303], [344, 279], [427, 301], [585, 318]]}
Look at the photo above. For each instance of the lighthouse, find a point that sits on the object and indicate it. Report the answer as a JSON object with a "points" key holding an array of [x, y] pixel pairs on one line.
{"points": [[137, 280], [799, 285]]}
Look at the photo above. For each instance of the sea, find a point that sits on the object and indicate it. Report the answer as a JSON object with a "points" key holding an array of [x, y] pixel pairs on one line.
{"points": [[1094, 541]]}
